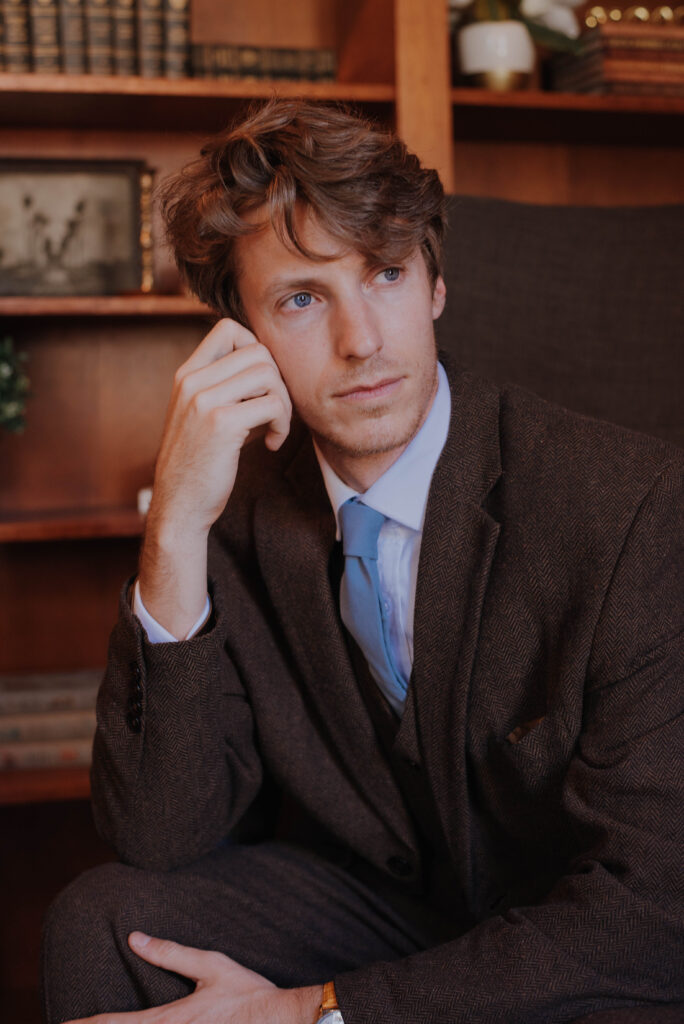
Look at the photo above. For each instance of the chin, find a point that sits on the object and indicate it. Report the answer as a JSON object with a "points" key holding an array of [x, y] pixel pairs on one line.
{"points": [[366, 443]]}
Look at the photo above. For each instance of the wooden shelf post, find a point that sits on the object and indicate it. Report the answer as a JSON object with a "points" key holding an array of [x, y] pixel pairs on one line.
{"points": [[423, 77]]}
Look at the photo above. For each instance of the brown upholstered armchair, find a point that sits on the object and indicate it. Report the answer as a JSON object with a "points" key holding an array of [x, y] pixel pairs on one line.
{"points": [[584, 306]]}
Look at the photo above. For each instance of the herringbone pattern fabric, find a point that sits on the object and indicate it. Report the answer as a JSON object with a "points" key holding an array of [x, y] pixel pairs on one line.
{"points": [[545, 709]]}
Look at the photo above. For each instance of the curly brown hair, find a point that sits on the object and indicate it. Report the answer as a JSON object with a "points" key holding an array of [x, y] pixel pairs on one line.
{"points": [[360, 181]]}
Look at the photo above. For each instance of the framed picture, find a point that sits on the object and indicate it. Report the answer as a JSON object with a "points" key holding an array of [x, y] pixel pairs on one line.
{"points": [[75, 227]]}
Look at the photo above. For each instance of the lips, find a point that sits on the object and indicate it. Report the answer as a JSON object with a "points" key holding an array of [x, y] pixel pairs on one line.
{"points": [[370, 389]]}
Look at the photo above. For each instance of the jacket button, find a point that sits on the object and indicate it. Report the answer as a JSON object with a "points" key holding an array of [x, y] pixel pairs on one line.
{"points": [[134, 722], [400, 867], [413, 765], [135, 672]]}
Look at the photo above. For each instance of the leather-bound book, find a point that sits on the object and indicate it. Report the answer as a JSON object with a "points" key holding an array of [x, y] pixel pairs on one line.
{"points": [[176, 38], [151, 38], [99, 36], [15, 18], [44, 35], [125, 37], [72, 33]]}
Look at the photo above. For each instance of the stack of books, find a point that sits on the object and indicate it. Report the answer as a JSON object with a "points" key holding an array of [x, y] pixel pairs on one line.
{"points": [[47, 720], [223, 60], [151, 38], [100, 37], [624, 58]]}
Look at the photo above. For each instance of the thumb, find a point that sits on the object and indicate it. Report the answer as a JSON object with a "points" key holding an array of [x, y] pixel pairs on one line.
{"points": [[195, 964]]}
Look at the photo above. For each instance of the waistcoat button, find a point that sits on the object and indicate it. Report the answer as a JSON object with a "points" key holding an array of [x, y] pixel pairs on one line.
{"points": [[400, 867]]}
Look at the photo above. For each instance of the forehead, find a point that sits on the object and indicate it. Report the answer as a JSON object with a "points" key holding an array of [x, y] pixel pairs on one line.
{"points": [[264, 263], [266, 244]]}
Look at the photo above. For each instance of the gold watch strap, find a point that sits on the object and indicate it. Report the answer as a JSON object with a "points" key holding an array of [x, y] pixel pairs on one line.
{"points": [[329, 1000]]}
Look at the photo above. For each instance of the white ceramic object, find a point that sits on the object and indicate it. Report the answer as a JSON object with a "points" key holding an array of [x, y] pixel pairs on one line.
{"points": [[495, 46]]}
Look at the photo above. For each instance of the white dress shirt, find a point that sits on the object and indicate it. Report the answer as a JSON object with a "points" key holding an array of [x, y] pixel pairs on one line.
{"points": [[400, 494]]}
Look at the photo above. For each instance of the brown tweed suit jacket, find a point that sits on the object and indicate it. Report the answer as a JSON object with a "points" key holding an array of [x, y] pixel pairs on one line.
{"points": [[545, 710]]}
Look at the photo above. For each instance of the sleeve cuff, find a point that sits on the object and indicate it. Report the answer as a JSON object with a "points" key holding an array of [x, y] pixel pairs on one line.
{"points": [[156, 634]]}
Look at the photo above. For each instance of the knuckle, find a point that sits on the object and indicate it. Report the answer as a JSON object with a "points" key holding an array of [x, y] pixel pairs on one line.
{"points": [[180, 376], [198, 403]]}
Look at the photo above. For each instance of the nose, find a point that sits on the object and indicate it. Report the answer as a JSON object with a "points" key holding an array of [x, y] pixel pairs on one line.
{"points": [[358, 333]]}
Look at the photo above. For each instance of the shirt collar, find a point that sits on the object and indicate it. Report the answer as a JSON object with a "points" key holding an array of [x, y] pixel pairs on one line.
{"points": [[401, 492]]}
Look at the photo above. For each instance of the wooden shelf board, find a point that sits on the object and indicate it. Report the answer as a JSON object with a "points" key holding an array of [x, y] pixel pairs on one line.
{"points": [[70, 524], [102, 305], [201, 88], [535, 99], [41, 785], [566, 118], [134, 103]]}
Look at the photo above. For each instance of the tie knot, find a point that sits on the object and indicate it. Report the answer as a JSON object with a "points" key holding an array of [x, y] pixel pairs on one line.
{"points": [[360, 528]]}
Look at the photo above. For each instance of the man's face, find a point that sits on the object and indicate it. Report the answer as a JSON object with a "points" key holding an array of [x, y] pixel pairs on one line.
{"points": [[354, 343]]}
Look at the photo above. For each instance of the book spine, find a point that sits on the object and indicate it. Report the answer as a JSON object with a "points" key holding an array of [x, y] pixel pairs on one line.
{"points": [[150, 38], [644, 69], [72, 30], [176, 16], [44, 36], [675, 90], [622, 30], [125, 37], [99, 50], [45, 754], [17, 37], [56, 725], [37, 701], [223, 60]]}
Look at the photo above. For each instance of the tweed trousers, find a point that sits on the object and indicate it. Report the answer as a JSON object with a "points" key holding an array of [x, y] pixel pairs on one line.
{"points": [[278, 909]]}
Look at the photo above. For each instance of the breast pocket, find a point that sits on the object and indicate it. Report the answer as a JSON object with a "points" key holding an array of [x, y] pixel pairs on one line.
{"points": [[531, 760]]}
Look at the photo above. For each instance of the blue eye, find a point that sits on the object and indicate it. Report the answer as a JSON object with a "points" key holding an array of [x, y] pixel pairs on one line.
{"points": [[302, 300], [392, 273]]}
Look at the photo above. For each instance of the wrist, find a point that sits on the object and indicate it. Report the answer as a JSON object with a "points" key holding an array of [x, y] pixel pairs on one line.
{"points": [[307, 1002], [172, 582]]}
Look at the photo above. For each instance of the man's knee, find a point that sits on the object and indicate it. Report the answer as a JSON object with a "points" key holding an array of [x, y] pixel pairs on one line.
{"points": [[90, 912], [88, 967]]}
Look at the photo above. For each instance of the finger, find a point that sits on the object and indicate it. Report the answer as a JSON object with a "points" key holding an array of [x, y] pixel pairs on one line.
{"points": [[225, 336], [136, 1017], [266, 411], [196, 964], [229, 370]]}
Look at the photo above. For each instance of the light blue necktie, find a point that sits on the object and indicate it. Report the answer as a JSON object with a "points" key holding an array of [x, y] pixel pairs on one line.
{"points": [[361, 604]]}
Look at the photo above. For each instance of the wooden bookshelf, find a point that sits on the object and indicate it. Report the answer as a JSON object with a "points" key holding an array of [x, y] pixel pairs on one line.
{"points": [[531, 115], [536, 99], [43, 785], [70, 524], [135, 103], [103, 306]]}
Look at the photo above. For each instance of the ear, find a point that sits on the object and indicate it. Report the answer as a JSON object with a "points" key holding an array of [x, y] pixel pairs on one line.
{"points": [[438, 298]]}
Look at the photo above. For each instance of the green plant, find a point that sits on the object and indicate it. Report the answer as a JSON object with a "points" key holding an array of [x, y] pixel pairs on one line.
{"points": [[14, 387]]}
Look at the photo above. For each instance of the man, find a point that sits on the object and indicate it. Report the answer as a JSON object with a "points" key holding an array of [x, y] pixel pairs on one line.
{"points": [[432, 772]]}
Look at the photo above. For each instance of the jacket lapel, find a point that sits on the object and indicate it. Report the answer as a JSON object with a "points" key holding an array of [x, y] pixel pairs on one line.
{"points": [[295, 537], [459, 540]]}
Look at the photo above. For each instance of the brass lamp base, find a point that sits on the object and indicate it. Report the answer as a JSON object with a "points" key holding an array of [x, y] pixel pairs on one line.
{"points": [[500, 80]]}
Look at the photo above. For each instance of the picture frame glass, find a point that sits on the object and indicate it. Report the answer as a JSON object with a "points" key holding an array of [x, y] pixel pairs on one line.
{"points": [[70, 227]]}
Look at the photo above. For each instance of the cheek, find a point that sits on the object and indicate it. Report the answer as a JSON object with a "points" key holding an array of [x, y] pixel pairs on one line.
{"points": [[299, 370]]}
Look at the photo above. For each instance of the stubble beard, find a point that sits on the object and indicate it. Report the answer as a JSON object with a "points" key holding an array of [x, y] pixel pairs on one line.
{"points": [[396, 436]]}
